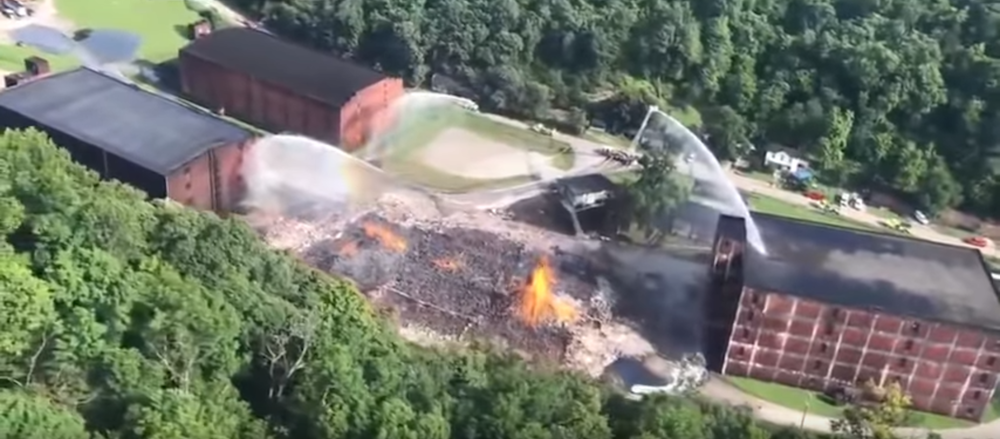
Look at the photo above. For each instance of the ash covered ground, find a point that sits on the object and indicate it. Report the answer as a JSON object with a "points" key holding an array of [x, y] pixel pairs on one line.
{"points": [[457, 275]]}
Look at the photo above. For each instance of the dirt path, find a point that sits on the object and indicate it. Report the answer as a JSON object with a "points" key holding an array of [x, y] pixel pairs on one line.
{"points": [[918, 230]]}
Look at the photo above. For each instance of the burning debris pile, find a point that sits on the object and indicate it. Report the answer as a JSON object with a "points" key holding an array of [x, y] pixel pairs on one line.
{"points": [[463, 282]]}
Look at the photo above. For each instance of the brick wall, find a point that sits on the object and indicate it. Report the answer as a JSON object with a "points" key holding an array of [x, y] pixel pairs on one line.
{"points": [[794, 341]]}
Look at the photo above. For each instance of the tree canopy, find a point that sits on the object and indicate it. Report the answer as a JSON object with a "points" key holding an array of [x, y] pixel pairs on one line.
{"points": [[896, 94], [131, 319]]}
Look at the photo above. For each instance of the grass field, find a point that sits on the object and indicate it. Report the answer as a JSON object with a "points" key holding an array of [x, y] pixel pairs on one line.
{"points": [[413, 135], [160, 23], [774, 206], [813, 403], [561, 153], [602, 137], [12, 59]]}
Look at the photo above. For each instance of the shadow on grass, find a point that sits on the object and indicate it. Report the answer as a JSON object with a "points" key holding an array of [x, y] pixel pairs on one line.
{"points": [[184, 30]]}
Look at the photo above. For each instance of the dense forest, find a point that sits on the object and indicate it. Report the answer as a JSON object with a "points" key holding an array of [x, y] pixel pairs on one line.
{"points": [[124, 318], [896, 94]]}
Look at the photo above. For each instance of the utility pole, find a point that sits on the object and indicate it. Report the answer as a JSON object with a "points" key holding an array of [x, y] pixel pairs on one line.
{"points": [[805, 411], [645, 121]]}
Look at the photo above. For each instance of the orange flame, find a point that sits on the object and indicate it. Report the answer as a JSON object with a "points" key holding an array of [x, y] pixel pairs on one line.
{"points": [[349, 249], [447, 264], [386, 237], [538, 304]]}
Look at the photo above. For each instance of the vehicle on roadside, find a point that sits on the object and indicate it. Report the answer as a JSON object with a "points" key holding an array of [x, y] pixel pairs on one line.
{"points": [[543, 130], [14, 9], [921, 217], [977, 241]]}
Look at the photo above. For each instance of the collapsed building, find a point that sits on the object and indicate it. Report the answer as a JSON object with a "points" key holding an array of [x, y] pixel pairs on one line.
{"points": [[465, 276], [827, 308]]}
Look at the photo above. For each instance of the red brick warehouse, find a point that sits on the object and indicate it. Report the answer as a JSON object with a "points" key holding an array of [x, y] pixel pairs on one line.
{"points": [[283, 87], [826, 308], [122, 132]]}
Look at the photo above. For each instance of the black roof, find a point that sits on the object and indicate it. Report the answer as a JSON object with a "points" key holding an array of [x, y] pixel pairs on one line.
{"points": [[585, 184], [145, 128], [267, 58], [867, 270]]}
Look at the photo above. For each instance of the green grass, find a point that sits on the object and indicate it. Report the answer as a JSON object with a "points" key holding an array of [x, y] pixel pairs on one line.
{"points": [[12, 58], [774, 206], [786, 396], [419, 132], [604, 138], [158, 22], [686, 115], [805, 400], [561, 153]]}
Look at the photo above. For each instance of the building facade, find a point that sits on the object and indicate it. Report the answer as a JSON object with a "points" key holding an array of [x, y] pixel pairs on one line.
{"points": [[282, 87], [945, 367], [122, 132]]}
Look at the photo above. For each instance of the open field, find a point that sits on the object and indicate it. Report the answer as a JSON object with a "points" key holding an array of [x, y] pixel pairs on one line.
{"points": [[604, 138], [160, 23], [12, 58], [813, 403], [424, 149], [774, 206]]}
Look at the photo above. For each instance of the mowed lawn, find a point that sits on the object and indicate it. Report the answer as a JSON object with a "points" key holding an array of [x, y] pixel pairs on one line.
{"points": [[160, 23], [810, 402], [774, 206], [12, 58], [416, 132]]}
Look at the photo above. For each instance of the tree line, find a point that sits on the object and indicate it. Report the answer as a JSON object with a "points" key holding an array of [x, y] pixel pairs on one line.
{"points": [[124, 318], [893, 94]]}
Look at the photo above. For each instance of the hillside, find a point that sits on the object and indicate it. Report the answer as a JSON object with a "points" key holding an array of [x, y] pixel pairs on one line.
{"points": [[891, 94]]}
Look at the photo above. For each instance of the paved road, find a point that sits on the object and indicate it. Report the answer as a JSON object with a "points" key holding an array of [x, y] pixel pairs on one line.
{"points": [[918, 231]]}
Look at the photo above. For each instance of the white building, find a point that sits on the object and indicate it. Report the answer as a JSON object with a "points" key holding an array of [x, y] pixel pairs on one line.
{"points": [[784, 159]]}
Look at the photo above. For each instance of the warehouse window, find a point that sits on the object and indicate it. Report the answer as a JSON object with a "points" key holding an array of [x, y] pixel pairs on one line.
{"points": [[187, 170], [908, 345], [977, 394], [822, 348], [991, 360], [740, 350], [746, 333], [829, 328], [817, 365], [915, 327], [983, 378], [750, 316], [902, 362], [835, 312]]}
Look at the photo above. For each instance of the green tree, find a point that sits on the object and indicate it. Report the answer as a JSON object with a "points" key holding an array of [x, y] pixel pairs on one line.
{"points": [[885, 409], [27, 416], [656, 194]]}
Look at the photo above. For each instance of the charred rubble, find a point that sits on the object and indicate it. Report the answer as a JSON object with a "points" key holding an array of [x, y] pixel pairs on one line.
{"points": [[459, 282]]}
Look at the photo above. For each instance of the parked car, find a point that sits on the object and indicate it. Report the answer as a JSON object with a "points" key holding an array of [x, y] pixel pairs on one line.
{"points": [[14, 9], [921, 218], [542, 129], [977, 241]]}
